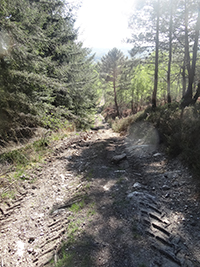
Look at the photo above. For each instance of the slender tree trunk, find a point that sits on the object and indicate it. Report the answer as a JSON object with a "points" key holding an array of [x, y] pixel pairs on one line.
{"points": [[197, 94], [132, 94], [115, 95], [186, 94], [183, 79], [187, 99], [156, 58], [170, 55], [187, 54]]}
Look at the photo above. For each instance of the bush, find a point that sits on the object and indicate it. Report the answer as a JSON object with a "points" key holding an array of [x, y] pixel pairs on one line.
{"points": [[178, 131]]}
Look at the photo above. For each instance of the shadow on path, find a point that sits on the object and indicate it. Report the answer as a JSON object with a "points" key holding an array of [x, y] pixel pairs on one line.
{"points": [[139, 211]]}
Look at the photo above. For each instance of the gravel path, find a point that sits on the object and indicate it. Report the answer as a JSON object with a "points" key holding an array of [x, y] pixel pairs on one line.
{"points": [[104, 200]]}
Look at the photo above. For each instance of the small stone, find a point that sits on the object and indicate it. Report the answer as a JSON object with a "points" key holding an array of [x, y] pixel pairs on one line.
{"points": [[171, 175], [157, 155], [137, 185], [118, 158], [34, 187], [31, 240], [176, 240], [175, 184], [165, 187], [193, 223], [30, 250], [132, 194]]}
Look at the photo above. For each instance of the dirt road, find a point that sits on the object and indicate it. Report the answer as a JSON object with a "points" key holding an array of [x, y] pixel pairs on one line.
{"points": [[103, 200]]}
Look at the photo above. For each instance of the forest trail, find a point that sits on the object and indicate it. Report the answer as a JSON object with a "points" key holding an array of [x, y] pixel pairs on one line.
{"points": [[102, 199]]}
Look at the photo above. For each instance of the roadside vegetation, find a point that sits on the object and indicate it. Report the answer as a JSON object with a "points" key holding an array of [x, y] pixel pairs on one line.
{"points": [[178, 130]]}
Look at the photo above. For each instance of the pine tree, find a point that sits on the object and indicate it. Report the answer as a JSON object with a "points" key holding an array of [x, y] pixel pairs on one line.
{"points": [[146, 20], [111, 66], [42, 66]]}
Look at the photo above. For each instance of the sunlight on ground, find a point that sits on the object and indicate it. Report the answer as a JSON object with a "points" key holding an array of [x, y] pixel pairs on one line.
{"points": [[109, 184], [20, 248]]}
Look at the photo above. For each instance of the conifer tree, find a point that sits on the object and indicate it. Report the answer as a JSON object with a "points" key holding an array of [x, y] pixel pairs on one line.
{"points": [[42, 65], [111, 69]]}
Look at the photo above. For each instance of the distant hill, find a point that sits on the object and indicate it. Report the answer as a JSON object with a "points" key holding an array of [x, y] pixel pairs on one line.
{"points": [[99, 52]]}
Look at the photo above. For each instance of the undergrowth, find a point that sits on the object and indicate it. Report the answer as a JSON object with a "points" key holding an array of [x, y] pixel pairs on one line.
{"points": [[15, 162], [178, 131]]}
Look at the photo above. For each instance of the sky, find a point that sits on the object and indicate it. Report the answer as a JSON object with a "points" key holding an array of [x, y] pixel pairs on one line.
{"points": [[104, 23]]}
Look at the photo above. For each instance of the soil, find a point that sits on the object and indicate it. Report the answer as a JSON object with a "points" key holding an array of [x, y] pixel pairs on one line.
{"points": [[101, 199]]}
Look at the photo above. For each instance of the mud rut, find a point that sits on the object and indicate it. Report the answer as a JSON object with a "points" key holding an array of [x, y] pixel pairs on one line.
{"points": [[146, 207]]}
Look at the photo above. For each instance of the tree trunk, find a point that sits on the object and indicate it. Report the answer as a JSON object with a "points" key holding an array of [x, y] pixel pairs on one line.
{"points": [[183, 79], [115, 95], [156, 58], [187, 99], [186, 64], [197, 94], [170, 55], [132, 107]]}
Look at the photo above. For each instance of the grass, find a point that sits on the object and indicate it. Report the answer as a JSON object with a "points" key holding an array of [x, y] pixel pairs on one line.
{"points": [[76, 251], [71, 258], [76, 207], [89, 175], [26, 157], [122, 125], [10, 194], [120, 180], [21, 160], [16, 157]]}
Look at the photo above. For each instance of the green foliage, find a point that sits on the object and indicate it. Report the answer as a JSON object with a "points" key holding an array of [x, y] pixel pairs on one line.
{"points": [[76, 207], [42, 67], [14, 157], [114, 75]]}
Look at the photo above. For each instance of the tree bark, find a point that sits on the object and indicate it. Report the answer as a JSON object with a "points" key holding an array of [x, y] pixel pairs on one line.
{"points": [[156, 58], [132, 94], [170, 55], [197, 94], [115, 95], [183, 79], [187, 99]]}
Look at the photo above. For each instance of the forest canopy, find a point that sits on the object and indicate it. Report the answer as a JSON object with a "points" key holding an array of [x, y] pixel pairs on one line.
{"points": [[164, 63]]}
